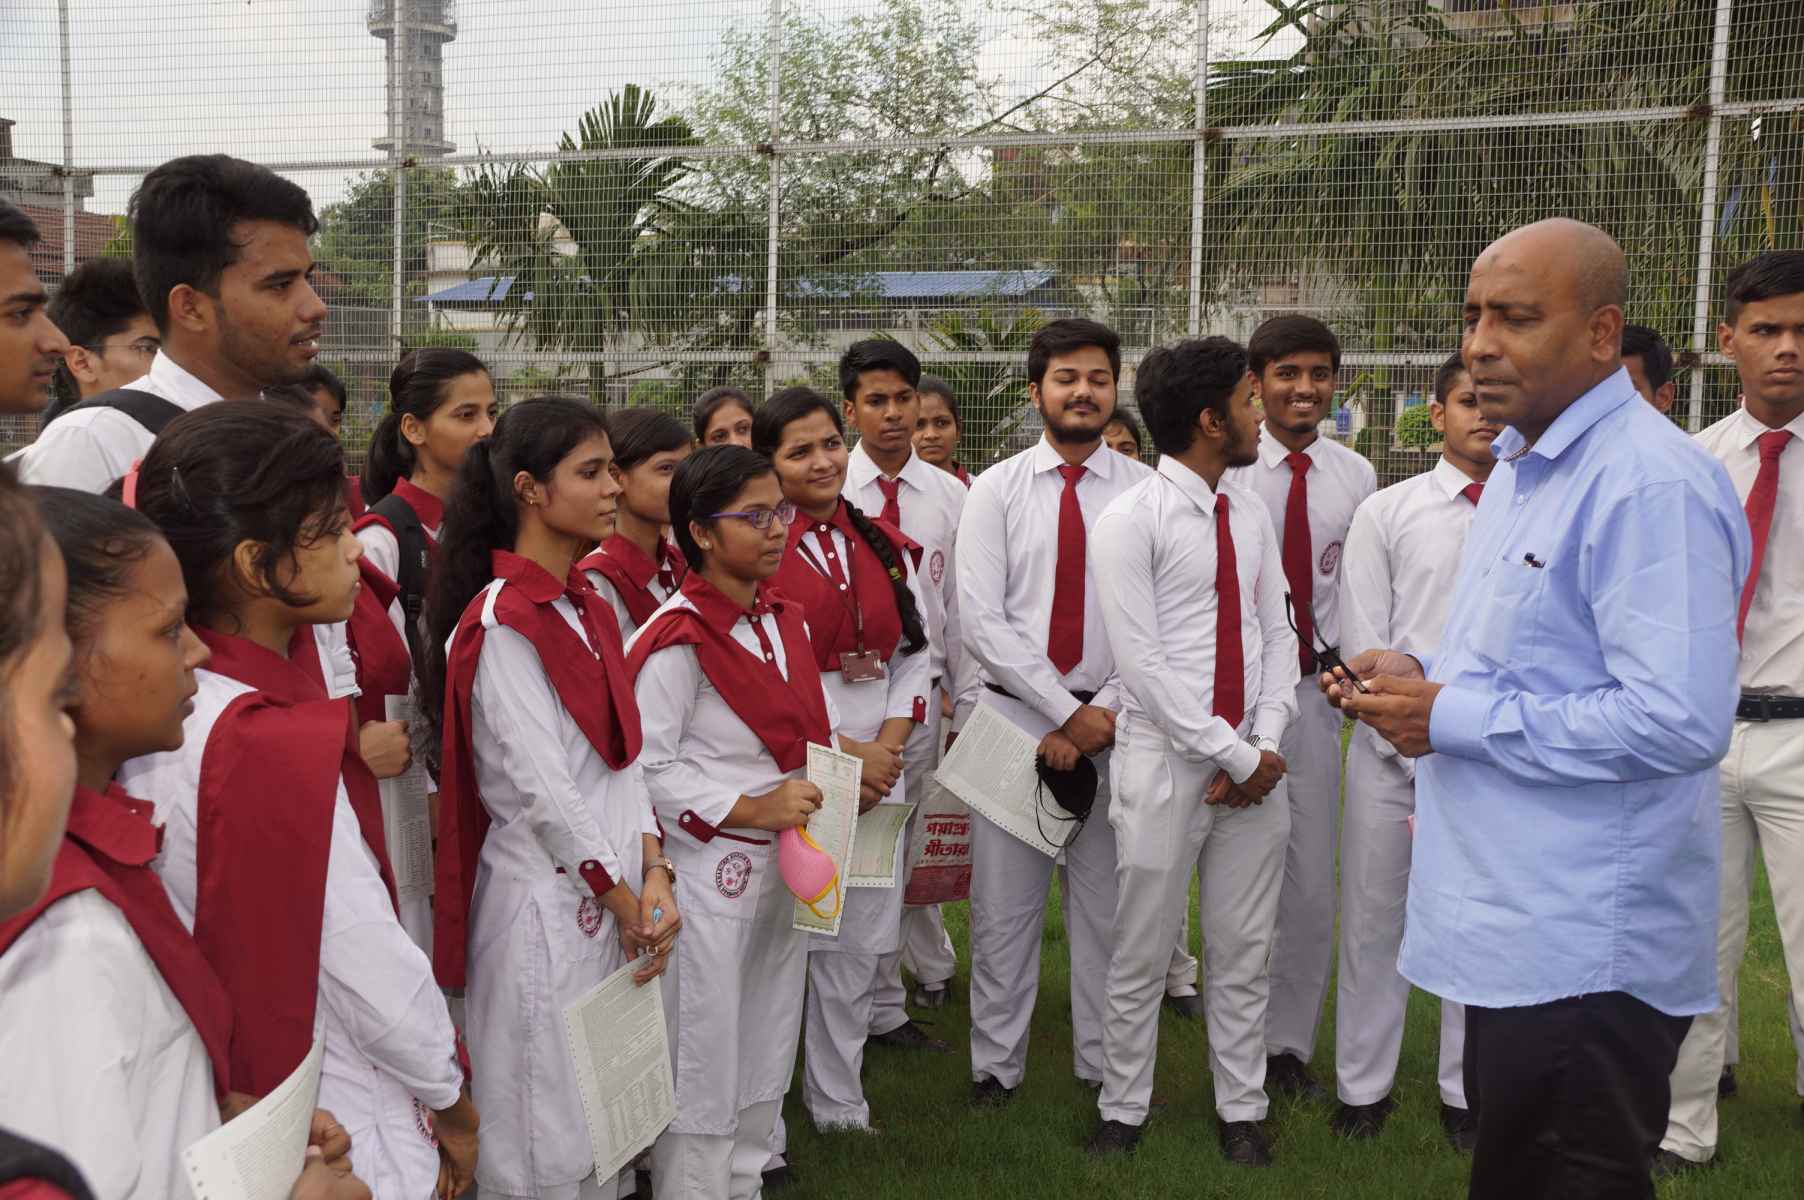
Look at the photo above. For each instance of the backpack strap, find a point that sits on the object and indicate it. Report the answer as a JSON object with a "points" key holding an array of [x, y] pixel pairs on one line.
{"points": [[22, 1160], [415, 566], [146, 408]]}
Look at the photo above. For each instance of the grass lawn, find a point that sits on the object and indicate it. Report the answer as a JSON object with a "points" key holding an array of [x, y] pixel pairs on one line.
{"points": [[933, 1147]]}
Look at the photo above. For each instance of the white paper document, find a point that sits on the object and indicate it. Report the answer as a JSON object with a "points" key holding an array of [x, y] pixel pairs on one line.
{"points": [[877, 846], [622, 1058], [991, 768], [407, 815], [833, 825], [258, 1154]]}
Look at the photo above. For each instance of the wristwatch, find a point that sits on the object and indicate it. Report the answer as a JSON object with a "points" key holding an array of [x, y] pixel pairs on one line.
{"points": [[669, 868], [1264, 745]]}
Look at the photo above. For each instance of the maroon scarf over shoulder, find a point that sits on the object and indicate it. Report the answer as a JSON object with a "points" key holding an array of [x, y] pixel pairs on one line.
{"points": [[784, 714], [829, 616], [630, 571], [384, 667], [108, 847], [592, 683]]}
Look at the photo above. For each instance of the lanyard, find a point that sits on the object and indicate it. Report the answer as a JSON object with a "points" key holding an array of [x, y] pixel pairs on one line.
{"points": [[849, 595]]}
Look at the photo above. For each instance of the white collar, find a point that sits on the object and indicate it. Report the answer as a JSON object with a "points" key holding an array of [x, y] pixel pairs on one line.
{"points": [[861, 469], [1275, 454], [1195, 488], [1748, 429], [1101, 461], [1449, 479], [178, 385]]}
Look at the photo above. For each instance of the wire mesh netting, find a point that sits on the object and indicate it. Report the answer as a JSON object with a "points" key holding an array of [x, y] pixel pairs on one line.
{"points": [[641, 201]]}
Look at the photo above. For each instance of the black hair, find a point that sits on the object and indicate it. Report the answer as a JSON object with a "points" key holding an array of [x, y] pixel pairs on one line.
{"points": [[939, 387], [482, 514], [321, 378], [877, 354], [95, 301], [1291, 334], [791, 405], [1763, 277], [706, 483], [1644, 342], [639, 433], [1124, 416], [251, 470], [291, 395], [22, 545], [1445, 374], [17, 228], [712, 401], [1176, 383], [102, 541], [1065, 335], [416, 387], [183, 216]]}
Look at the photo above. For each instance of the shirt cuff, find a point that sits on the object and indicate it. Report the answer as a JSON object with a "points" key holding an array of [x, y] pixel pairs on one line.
{"points": [[1456, 723], [596, 876], [1241, 761], [1058, 707]]}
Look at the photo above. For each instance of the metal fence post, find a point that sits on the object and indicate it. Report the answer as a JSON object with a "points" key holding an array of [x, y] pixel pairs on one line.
{"points": [[773, 92], [397, 126], [62, 20], [1713, 147], [1199, 167]]}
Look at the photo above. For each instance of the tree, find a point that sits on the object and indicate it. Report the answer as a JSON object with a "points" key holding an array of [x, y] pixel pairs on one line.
{"points": [[991, 395], [356, 235]]}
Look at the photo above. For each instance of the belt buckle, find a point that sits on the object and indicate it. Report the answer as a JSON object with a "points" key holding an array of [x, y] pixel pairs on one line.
{"points": [[1764, 704]]}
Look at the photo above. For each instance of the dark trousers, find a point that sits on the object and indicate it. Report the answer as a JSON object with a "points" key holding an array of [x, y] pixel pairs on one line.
{"points": [[1570, 1097]]}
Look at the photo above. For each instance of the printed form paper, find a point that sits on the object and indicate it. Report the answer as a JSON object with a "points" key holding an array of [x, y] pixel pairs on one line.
{"points": [[877, 846], [622, 1057], [991, 768], [407, 815], [258, 1154], [832, 826]]}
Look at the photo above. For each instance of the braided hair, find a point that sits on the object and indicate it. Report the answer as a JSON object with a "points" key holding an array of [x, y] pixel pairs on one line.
{"points": [[792, 404]]}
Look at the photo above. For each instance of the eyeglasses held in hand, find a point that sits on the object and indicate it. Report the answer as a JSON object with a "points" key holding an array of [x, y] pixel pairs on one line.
{"points": [[1327, 658], [760, 518]]}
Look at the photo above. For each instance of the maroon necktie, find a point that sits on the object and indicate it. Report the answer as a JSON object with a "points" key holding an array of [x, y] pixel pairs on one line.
{"points": [[1472, 491], [1065, 632], [1761, 499], [1299, 559], [892, 507], [1230, 659]]}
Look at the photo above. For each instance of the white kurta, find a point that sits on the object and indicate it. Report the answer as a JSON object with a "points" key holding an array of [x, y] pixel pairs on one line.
{"points": [[538, 938], [604, 587], [98, 1057], [390, 1050]]}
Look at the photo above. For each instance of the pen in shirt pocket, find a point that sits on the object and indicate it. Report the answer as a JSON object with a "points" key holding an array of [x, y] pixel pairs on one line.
{"points": [[1534, 562]]}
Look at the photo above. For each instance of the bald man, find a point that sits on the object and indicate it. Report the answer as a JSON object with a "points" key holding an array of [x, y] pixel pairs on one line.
{"points": [[1563, 884]]}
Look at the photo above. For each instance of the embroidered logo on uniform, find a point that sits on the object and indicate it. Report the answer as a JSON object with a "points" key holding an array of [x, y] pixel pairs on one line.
{"points": [[588, 916], [1330, 558], [732, 874], [936, 567], [423, 1123]]}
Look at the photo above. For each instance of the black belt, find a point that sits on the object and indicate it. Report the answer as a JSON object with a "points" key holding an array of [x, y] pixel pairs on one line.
{"points": [[1082, 697], [1769, 708]]}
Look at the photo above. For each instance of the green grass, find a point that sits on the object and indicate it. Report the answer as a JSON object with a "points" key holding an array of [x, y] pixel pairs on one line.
{"points": [[933, 1147]]}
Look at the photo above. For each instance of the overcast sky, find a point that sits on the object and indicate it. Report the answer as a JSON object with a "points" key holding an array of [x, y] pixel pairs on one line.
{"points": [[302, 80]]}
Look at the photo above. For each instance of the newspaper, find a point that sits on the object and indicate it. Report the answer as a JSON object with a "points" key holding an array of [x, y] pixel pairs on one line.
{"points": [[877, 846], [991, 768], [836, 773], [407, 815], [259, 1154], [621, 1053]]}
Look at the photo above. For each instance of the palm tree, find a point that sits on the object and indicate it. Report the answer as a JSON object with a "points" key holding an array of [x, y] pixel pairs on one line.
{"points": [[991, 395]]}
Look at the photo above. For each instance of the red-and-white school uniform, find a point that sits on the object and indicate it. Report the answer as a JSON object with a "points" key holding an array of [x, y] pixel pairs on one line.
{"points": [[272, 857], [113, 1027], [852, 615], [543, 812], [730, 699], [382, 549], [631, 581]]}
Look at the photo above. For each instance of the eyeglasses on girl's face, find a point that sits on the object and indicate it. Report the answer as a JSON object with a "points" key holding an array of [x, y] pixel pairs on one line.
{"points": [[760, 518]]}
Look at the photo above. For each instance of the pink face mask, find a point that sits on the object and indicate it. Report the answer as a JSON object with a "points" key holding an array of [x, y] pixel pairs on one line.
{"points": [[808, 871]]}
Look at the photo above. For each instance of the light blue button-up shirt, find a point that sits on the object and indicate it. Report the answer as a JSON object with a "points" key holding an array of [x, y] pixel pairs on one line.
{"points": [[1568, 838]]}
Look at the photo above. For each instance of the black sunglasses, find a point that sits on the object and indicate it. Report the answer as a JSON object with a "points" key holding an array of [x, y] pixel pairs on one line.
{"points": [[1327, 658]]}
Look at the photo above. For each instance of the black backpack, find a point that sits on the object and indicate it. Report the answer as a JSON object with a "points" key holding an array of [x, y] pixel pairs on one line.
{"points": [[415, 567], [151, 411], [26, 1160]]}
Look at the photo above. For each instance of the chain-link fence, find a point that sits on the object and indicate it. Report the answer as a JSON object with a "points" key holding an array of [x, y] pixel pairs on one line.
{"points": [[637, 201]]}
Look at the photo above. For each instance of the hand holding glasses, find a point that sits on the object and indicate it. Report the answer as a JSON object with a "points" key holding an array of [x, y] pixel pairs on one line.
{"points": [[1327, 658]]}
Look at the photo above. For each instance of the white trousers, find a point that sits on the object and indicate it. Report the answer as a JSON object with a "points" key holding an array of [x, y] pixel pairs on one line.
{"points": [[1372, 998], [1304, 949], [838, 1019], [926, 953], [1762, 780], [1180, 976], [710, 1166], [1010, 882], [1163, 831]]}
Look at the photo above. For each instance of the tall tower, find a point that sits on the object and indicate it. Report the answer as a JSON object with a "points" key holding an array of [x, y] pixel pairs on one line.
{"points": [[429, 24]]}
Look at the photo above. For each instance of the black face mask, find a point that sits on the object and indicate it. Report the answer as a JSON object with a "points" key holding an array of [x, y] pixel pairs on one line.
{"points": [[1074, 791]]}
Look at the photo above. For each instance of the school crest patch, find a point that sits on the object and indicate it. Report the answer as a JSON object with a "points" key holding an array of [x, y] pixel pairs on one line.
{"points": [[588, 916], [732, 874], [423, 1124], [936, 567], [1330, 558]]}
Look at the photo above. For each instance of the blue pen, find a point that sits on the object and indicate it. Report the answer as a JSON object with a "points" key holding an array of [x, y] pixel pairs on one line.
{"points": [[657, 913]]}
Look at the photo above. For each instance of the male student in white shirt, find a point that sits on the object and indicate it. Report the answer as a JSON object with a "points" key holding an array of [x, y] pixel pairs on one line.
{"points": [[1030, 618], [1311, 485], [31, 346], [1397, 576], [219, 248], [885, 478], [1192, 594]]}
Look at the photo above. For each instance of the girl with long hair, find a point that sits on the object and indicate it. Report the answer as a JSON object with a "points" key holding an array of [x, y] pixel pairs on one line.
{"points": [[551, 874], [723, 417], [636, 569]]}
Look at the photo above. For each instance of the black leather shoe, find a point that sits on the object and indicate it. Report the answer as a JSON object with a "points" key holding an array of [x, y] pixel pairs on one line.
{"points": [[1667, 1165], [1186, 1008], [1460, 1128], [1289, 1075], [778, 1178], [1362, 1121], [987, 1093], [1725, 1083], [1113, 1137], [932, 997], [1244, 1143], [909, 1036]]}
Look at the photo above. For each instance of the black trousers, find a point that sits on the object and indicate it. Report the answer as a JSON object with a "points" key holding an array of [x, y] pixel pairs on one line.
{"points": [[1570, 1097]]}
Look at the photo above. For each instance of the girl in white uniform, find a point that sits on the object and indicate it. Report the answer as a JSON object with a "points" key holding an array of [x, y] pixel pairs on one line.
{"points": [[550, 872], [731, 697], [264, 855], [855, 580], [635, 569]]}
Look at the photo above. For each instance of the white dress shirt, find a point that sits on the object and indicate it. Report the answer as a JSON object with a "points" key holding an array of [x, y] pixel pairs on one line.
{"points": [[1155, 554], [1339, 481], [101, 1060], [1772, 642], [91, 448], [1008, 546], [931, 502]]}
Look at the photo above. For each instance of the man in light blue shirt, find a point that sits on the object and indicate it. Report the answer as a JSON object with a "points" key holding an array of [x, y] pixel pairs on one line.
{"points": [[1564, 883]]}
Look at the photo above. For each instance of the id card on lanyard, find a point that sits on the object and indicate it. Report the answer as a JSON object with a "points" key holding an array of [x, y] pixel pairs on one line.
{"points": [[860, 665]]}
